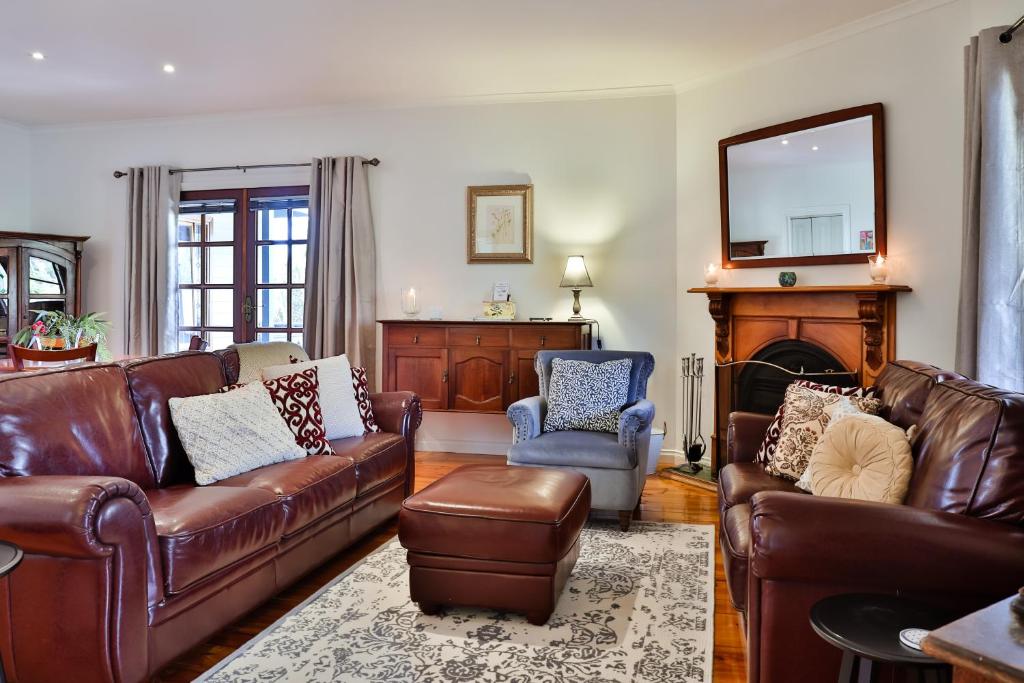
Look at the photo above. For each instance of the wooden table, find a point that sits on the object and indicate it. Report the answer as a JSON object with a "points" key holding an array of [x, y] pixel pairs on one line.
{"points": [[986, 646]]}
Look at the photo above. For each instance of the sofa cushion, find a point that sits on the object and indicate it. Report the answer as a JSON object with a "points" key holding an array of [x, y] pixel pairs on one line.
{"points": [[337, 394], [739, 481], [378, 458], [576, 449], [903, 388], [862, 457], [201, 530], [74, 421], [735, 552], [970, 452], [297, 397], [153, 381], [308, 489], [587, 396]]}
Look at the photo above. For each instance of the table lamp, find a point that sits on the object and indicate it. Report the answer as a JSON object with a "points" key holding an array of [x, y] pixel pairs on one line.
{"points": [[576, 277]]}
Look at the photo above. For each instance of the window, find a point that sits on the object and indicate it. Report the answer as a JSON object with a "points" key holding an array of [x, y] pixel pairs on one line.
{"points": [[242, 265]]}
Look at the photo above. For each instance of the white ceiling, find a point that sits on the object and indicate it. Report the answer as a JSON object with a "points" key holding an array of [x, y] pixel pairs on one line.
{"points": [[104, 57]]}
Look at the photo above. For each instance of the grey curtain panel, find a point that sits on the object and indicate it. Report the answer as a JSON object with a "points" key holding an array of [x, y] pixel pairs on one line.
{"points": [[990, 333], [150, 288], [341, 270]]}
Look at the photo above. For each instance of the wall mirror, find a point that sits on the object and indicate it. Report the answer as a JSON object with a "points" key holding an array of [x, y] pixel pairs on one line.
{"points": [[807, 192]]}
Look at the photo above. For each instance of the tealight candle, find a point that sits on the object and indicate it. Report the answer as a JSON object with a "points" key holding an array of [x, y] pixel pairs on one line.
{"points": [[879, 268], [711, 272], [410, 302]]}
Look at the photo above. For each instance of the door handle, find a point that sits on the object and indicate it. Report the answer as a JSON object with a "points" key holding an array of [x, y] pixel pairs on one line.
{"points": [[248, 309], [416, 339], [444, 377], [478, 340], [543, 340]]}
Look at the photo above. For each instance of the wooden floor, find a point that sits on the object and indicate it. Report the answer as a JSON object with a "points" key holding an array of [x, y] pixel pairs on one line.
{"points": [[663, 501]]}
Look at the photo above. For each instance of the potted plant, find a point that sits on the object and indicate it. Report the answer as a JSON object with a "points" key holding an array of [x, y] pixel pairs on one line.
{"points": [[54, 330]]}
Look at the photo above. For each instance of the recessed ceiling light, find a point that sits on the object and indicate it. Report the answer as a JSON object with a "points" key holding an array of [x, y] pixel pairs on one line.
{"points": [[814, 148], [785, 142], [168, 68], [38, 56]]}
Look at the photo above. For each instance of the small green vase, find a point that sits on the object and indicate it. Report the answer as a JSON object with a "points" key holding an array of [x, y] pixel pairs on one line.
{"points": [[787, 278]]}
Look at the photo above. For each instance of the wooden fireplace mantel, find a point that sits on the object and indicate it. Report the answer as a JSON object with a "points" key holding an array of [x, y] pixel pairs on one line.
{"points": [[856, 324]]}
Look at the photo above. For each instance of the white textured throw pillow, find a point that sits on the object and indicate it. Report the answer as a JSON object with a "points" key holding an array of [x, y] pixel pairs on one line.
{"points": [[587, 396], [337, 395], [254, 357], [225, 434]]}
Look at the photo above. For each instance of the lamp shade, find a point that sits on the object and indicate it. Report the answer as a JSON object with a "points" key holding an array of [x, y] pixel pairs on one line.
{"points": [[576, 274]]}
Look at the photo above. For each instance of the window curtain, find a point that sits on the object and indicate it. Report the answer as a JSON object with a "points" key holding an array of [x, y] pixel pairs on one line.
{"points": [[990, 333], [150, 289], [341, 269]]}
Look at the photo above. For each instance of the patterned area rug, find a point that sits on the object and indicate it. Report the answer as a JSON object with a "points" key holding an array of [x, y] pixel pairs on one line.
{"points": [[639, 607]]}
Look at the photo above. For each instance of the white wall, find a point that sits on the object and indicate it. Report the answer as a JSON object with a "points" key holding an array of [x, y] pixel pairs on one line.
{"points": [[15, 166], [914, 67], [604, 186]]}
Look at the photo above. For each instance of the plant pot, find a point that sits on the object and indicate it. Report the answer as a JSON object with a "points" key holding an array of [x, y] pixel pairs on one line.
{"points": [[52, 343]]}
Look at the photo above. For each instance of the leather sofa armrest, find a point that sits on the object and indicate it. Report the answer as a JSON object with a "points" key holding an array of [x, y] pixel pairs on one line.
{"points": [[526, 416], [92, 559], [61, 515], [400, 412], [799, 538], [746, 434]]}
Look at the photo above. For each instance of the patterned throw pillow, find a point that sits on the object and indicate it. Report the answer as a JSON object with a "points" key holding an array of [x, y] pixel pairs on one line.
{"points": [[806, 414], [297, 398], [228, 434], [587, 396], [362, 389], [337, 399], [771, 438]]}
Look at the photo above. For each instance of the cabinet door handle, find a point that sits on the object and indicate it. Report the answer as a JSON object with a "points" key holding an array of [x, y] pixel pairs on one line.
{"points": [[543, 340], [478, 340], [416, 339], [444, 377], [512, 378]]}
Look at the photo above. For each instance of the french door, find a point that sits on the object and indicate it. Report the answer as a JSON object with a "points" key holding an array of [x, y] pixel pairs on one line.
{"points": [[242, 264]]}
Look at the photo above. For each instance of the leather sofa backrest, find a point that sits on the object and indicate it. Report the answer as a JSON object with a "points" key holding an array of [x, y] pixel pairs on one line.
{"points": [[639, 372], [153, 381], [970, 452], [903, 388], [77, 421]]}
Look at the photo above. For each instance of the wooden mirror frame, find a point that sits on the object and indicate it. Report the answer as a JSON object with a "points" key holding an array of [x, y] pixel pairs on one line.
{"points": [[878, 150]]}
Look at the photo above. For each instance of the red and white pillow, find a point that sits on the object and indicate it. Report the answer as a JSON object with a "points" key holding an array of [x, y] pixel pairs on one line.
{"points": [[297, 399], [766, 453], [361, 387]]}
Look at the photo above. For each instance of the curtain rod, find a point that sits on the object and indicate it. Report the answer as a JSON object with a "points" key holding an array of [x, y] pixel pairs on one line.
{"points": [[121, 174], [1007, 35]]}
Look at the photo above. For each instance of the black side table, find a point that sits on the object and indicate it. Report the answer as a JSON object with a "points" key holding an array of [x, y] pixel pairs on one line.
{"points": [[10, 557], [867, 629]]}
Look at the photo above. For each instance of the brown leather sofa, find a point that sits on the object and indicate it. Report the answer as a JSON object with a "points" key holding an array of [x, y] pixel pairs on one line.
{"points": [[127, 562], [957, 542]]}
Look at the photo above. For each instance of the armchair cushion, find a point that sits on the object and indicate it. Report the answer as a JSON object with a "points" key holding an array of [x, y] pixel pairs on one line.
{"points": [[587, 396], [574, 449]]}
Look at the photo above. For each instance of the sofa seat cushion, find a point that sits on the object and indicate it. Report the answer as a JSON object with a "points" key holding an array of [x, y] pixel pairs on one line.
{"points": [[739, 481], [202, 530], [308, 489], [576, 449], [378, 457], [735, 552]]}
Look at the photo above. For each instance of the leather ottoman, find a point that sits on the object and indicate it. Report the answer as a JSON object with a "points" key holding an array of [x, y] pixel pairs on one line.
{"points": [[494, 536]]}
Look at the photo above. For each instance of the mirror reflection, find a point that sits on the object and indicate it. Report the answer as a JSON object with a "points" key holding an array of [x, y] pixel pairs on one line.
{"points": [[807, 193]]}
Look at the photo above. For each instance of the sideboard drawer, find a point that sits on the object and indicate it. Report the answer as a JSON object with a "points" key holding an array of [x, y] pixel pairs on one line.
{"points": [[483, 335], [543, 338], [415, 335]]}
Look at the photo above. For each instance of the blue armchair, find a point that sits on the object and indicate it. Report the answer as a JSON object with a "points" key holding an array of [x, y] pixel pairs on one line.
{"points": [[615, 463]]}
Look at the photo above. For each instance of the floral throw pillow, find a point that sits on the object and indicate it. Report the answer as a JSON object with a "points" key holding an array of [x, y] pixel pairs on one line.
{"points": [[587, 396], [771, 438], [806, 414], [362, 389], [297, 398]]}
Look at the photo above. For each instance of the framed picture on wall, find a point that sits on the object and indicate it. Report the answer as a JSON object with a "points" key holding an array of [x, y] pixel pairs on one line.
{"points": [[499, 227]]}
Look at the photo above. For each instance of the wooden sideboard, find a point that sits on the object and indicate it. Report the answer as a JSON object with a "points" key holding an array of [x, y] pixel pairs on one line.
{"points": [[479, 367]]}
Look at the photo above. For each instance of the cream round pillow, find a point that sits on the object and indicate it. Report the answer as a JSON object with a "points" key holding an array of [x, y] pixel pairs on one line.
{"points": [[862, 457]]}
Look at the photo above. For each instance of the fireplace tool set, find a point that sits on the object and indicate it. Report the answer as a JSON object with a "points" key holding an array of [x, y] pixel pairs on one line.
{"points": [[694, 445]]}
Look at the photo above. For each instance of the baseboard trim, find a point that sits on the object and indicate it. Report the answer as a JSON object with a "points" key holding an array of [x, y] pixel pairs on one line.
{"points": [[457, 446]]}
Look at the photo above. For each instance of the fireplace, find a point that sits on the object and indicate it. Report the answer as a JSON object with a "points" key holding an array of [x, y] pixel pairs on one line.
{"points": [[848, 331], [761, 384]]}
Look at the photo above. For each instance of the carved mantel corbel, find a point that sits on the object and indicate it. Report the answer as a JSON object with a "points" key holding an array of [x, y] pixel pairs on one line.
{"points": [[871, 311], [718, 306]]}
